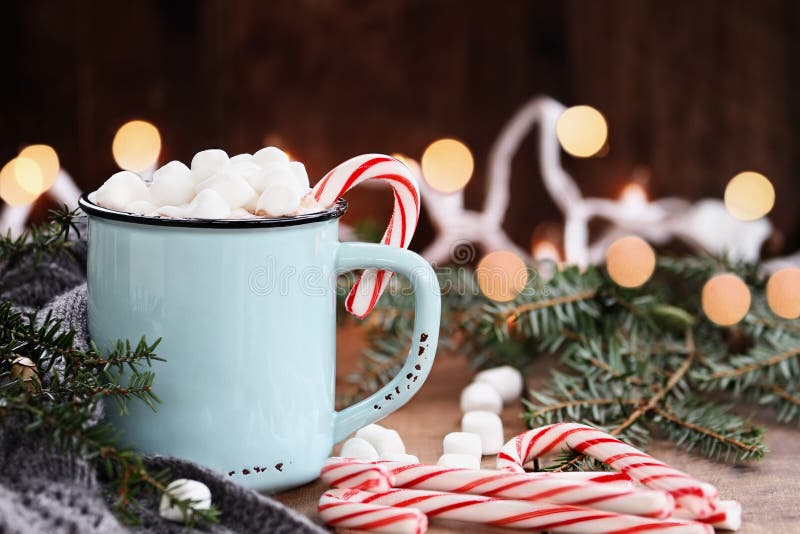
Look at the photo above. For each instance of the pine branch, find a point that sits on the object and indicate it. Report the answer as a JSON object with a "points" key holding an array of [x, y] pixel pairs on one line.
{"points": [[50, 238], [49, 386]]}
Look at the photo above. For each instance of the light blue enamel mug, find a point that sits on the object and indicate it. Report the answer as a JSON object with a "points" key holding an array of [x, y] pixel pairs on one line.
{"points": [[246, 311]]}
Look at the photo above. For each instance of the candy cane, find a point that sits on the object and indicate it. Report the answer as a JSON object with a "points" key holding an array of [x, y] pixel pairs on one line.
{"points": [[554, 488], [698, 498], [338, 509], [727, 516], [337, 182], [517, 514]]}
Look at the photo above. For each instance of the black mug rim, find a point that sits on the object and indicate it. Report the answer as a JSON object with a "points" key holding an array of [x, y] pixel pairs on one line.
{"points": [[334, 212]]}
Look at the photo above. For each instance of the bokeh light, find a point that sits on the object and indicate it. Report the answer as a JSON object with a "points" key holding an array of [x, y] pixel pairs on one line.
{"points": [[633, 193], [447, 165], [725, 299], [409, 162], [136, 146], [749, 196], [783, 293], [47, 159], [582, 131], [501, 275], [630, 261], [21, 182], [545, 251]]}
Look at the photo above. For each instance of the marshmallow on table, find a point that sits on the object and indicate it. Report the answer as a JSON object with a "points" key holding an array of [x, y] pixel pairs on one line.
{"points": [[120, 190], [405, 459], [208, 204], [506, 380], [385, 440], [184, 489], [488, 426], [463, 443], [359, 448], [480, 396], [207, 162], [370, 432], [270, 154], [464, 461], [172, 185], [141, 207]]}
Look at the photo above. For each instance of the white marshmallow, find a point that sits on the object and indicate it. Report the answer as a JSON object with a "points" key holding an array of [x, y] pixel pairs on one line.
{"points": [[247, 170], [464, 461], [242, 158], [385, 440], [140, 207], [405, 459], [207, 162], [389, 442], [359, 448], [174, 212], [172, 184], [270, 173], [120, 190], [231, 187], [488, 426], [506, 380], [481, 396], [371, 433], [300, 174], [240, 213], [279, 199], [181, 490], [463, 443], [270, 154], [208, 204]]}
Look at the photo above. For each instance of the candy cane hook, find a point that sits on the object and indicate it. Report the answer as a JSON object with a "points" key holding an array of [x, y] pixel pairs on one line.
{"points": [[698, 498], [369, 287]]}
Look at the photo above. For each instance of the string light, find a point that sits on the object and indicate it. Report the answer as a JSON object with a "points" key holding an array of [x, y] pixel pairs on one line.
{"points": [[633, 193], [725, 299], [447, 165], [545, 251], [136, 146], [749, 196], [501, 275], [630, 261], [47, 159], [582, 131], [783, 293], [21, 182]]}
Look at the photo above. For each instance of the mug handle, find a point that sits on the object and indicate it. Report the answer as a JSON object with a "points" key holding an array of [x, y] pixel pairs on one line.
{"points": [[427, 312]]}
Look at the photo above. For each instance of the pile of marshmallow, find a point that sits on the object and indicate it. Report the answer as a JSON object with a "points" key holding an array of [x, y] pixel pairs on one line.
{"points": [[264, 184], [481, 427]]}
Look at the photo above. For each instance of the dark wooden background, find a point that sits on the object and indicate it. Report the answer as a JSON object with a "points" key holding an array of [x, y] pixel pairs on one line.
{"points": [[694, 91]]}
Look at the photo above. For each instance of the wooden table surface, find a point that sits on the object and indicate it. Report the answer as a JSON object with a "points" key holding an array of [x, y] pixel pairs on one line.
{"points": [[769, 490]]}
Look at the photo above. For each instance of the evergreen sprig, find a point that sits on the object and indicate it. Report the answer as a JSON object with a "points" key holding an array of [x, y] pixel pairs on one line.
{"points": [[637, 363], [50, 386]]}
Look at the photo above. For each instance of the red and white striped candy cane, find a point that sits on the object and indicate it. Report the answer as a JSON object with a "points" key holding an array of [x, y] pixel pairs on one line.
{"points": [[550, 487], [338, 508], [337, 182], [522, 514], [698, 498], [356, 474], [727, 516]]}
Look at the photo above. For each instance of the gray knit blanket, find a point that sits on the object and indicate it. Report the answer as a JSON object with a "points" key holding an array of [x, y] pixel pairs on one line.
{"points": [[47, 490]]}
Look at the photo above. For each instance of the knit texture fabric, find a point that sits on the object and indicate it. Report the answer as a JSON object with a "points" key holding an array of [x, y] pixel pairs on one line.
{"points": [[47, 490]]}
